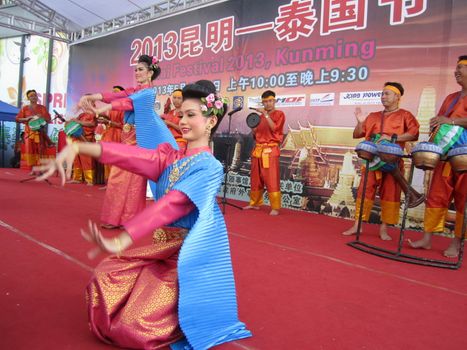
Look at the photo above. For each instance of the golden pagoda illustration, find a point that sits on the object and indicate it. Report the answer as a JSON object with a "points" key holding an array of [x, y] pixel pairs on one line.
{"points": [[343, 192], [426, 108]]}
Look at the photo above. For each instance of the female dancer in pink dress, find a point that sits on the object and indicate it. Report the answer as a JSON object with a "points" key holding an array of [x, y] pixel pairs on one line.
{"points": [[179, 290], [125, 195]]}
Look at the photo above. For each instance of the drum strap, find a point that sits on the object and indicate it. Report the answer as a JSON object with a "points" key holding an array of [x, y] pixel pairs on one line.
{"points": [[451, 106]]}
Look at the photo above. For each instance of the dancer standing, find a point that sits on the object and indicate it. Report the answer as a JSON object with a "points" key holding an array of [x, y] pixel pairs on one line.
{"points": [[126, 192], [179, 290]]}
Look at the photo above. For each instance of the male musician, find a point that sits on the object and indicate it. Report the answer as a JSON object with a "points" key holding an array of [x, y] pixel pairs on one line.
{"points": [[265, 169], [172, 119], [83, 166], [447, 184], [35, 142], [113, 128], [392, 120]]}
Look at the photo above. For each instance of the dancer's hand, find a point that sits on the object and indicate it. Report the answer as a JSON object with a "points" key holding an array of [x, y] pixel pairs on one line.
{"points": [[50, 166], [113, 245]]}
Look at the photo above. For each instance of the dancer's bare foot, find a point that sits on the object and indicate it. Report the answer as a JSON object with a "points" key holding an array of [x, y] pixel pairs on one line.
{"points": [[383, 232], [103, 188], [453, 249], [424, 243], [351, 231], [274, 212], [248, 207]]}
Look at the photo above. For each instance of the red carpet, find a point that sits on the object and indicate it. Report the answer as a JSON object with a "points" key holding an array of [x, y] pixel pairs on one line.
{"points": [[299, 285]]}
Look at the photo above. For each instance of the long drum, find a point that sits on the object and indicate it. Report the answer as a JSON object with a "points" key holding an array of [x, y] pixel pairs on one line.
{"points": [[366, 150], [426, 155], [73, 129], [36, 123], [458, 158]]}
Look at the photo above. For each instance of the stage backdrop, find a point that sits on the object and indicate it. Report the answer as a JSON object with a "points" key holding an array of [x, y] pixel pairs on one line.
{"points": [[322, 58]]}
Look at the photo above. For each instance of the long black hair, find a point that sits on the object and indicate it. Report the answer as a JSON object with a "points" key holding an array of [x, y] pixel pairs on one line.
{"points": [[151, 66], [203, 88]]}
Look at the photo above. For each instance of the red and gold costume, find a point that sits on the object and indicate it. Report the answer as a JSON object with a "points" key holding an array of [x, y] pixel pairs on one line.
{"points": [[446, 184], [174, 117], [112, 133], [265, 170], [83, 165], [36, 143], [398, 122]]}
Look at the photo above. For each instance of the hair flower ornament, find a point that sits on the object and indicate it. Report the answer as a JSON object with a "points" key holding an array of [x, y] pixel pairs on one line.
{"points": [[155, 63], [213, 104]]}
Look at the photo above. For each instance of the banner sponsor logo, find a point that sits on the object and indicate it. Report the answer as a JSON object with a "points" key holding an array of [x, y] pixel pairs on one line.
{"points": [[325, 99], [238, 101], [282, 101], [360, 98]]}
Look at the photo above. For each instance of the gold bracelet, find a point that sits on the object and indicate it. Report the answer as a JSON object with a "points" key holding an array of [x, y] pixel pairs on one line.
{"points": [[118, 243]]}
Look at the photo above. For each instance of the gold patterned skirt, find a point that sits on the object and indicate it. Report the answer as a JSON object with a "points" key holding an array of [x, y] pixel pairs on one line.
{"points": [[133, 299]]}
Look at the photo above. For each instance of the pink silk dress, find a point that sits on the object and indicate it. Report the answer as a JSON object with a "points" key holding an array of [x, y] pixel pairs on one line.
{"points": [[133, 299], [125, 194]]}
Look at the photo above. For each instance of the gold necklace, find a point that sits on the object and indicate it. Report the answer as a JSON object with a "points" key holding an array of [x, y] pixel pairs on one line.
{"points": [[179, 169]]}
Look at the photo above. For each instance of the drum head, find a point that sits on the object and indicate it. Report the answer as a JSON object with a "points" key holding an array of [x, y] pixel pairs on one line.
{"points": [[252, 120]]}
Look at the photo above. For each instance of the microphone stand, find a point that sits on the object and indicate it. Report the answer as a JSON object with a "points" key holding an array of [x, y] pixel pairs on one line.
{"points": [[224, 201]]}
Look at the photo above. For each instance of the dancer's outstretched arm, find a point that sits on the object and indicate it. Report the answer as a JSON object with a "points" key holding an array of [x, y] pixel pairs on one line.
{"points": [[144, 162]]}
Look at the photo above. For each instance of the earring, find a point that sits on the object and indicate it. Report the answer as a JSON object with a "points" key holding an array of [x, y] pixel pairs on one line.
{"points": [[208, 130]]}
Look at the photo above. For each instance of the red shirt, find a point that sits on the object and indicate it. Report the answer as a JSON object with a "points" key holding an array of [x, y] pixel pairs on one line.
{"points": [[88, 131], [398, 122], [459, 110], [174, 117], [264, 134], [28, 111]]}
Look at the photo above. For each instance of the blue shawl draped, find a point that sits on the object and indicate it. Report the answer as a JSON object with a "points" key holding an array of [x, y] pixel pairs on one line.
{"points": [[151, 130]]}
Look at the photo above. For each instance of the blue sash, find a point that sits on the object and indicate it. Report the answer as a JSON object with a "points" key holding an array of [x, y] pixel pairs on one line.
{"points": [[151, 130], [207, 306]]}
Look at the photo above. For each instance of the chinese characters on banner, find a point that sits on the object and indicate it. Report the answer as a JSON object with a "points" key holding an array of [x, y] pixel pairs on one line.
{"points": [[296, 19]]}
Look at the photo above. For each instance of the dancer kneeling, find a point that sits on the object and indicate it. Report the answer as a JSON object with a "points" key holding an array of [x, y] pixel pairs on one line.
{"points": [[179, 290]]}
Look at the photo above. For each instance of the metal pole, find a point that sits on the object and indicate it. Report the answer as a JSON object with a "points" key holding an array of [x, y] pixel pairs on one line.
{"points": [[362, 200], [20, 83], [406, 209], [49, 74]]}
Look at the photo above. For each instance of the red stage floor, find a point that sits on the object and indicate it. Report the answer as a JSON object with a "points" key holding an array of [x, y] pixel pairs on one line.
{"points": [[299, 285]]}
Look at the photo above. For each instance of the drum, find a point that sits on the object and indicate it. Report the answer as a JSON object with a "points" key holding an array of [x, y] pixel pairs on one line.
{"points": [[73, 128], [389, 152], [458, 158], [252, 120], [426, 155], [366, 150], [36, 123]]}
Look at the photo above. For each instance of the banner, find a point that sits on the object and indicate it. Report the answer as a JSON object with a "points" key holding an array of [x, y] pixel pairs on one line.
{"points": [[322, 58]]}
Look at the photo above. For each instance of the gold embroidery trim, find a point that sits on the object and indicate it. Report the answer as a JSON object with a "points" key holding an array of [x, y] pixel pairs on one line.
{"points": [[165, 235]]}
